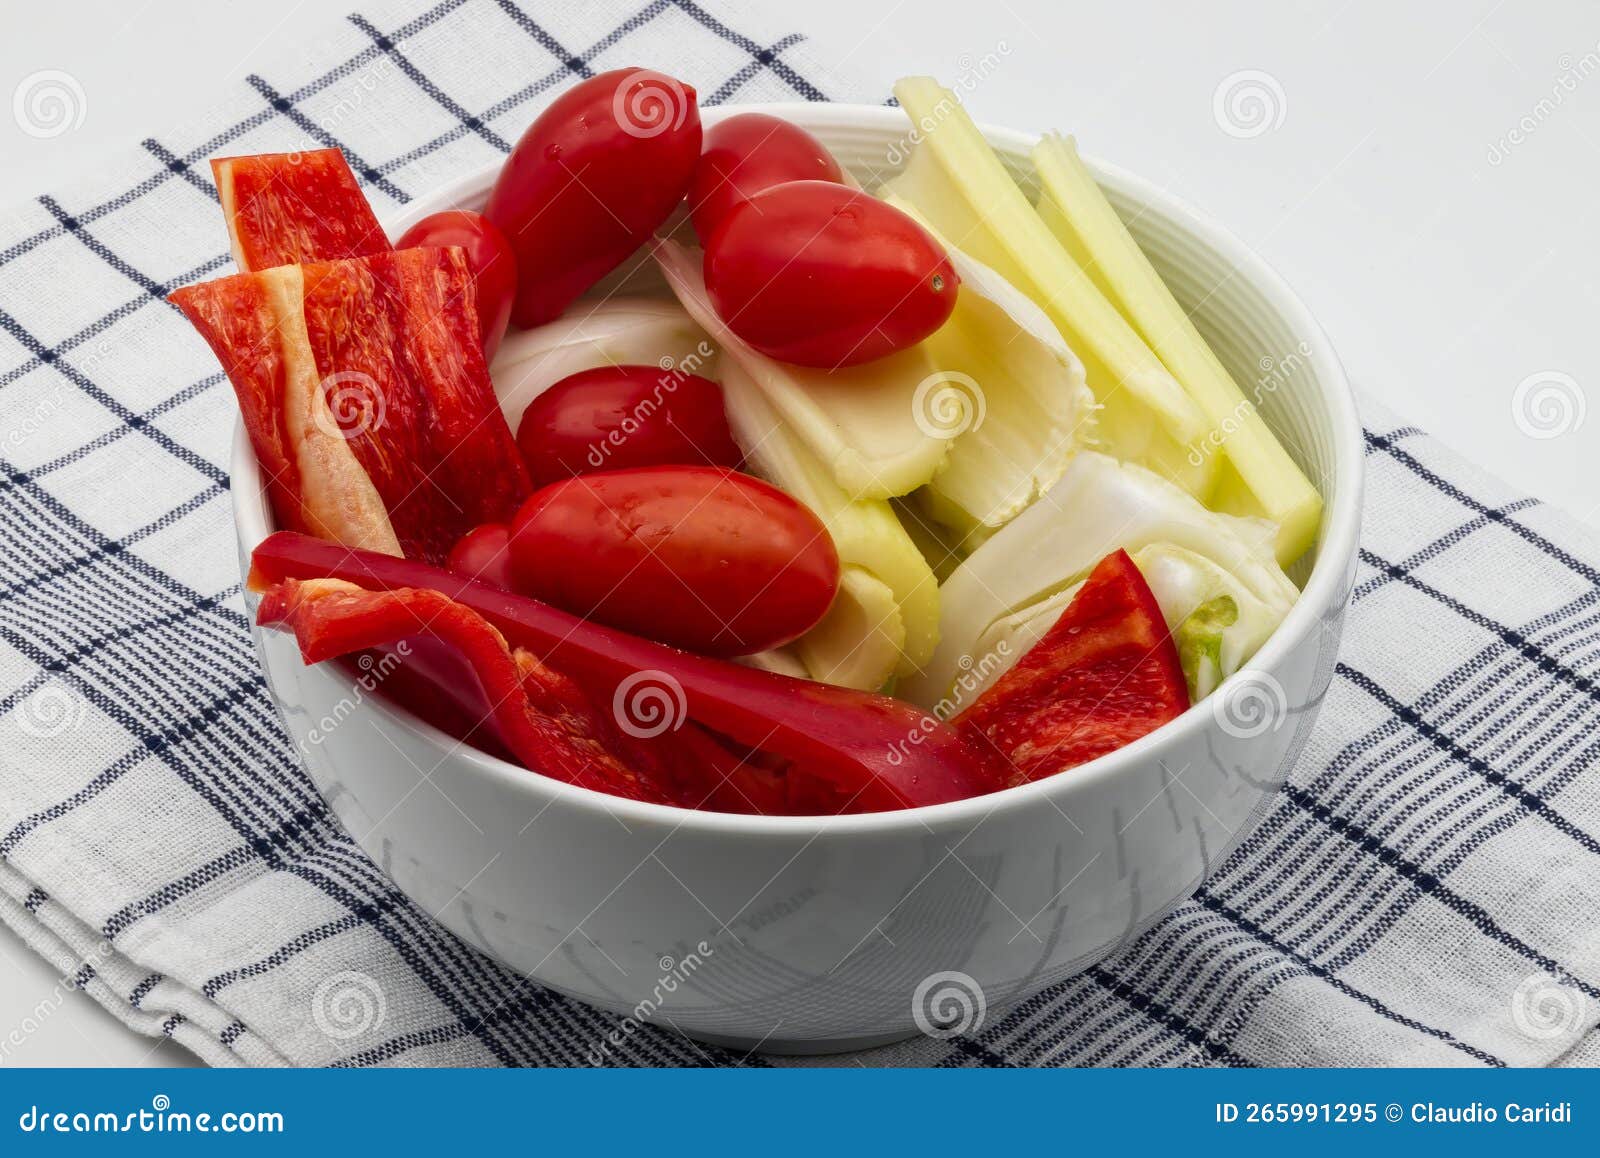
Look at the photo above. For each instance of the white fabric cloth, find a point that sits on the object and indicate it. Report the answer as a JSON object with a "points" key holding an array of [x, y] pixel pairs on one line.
{"points": [[1424, 892]]}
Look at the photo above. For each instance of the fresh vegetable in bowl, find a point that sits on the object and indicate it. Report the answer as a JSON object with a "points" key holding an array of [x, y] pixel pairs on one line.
{"points": [[746, 155], [889, 283], [287, 208], [484, 553], [856, 744], [1011, 589], [942, 465], [617, 331], [1110, 646], [705, 558], [593, 177], [489, 257], [363, 386], [610, 417]]}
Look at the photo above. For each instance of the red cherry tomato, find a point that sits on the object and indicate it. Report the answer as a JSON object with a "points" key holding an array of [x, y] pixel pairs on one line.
{"points": [[613, 417], [748, 153], [483, 553], [823, 275], [703, 558], [489, 256], [590, 181]]}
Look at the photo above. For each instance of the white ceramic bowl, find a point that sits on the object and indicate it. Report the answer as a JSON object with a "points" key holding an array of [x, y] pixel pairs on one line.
{"points": [[816, 934]]}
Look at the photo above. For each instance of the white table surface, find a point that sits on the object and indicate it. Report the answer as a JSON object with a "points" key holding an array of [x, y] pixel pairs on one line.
{"points": [[1426, 180]]}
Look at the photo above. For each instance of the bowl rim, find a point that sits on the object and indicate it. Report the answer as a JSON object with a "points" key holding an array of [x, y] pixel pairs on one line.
{"points": [[1324, 587]]}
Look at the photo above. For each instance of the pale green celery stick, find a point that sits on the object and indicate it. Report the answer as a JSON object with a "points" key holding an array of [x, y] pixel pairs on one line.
{"points": [[865, 532], [955, 180], [1012, 396], [859, 421], [859, 642], [1259, 477], [1199, 640]]}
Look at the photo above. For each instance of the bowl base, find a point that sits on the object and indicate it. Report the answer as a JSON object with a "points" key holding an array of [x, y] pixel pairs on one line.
{"points": [[804, 1047]]}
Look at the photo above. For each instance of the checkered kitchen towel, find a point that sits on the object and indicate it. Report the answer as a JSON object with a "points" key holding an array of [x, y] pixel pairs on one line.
{"points": [[1425, 890]]}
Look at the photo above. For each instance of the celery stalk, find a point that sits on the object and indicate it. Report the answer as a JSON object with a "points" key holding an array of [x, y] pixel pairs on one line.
{"points": [[1259, 477], [955, 180], [868, 537]]}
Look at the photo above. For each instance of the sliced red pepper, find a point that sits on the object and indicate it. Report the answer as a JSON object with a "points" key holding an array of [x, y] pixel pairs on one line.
{"points": [[524, 706], [447, 665], [870, 752], [294, 208], [1105, 674], [425, 679], [363, 386], [732, 781]]}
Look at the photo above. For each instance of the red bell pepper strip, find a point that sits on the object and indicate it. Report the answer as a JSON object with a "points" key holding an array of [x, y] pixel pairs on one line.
{"points": [[1106, 673], [363, 386], [725, 780], [426, 679], [873, 752], [444, 663], [537, 714], [294, 208]]}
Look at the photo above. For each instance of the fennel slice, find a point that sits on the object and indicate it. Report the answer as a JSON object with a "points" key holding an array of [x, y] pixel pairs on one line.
{"points": [[1014, 397], [619, 332], [860, 641], [858, 420], [1099, 506]]}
